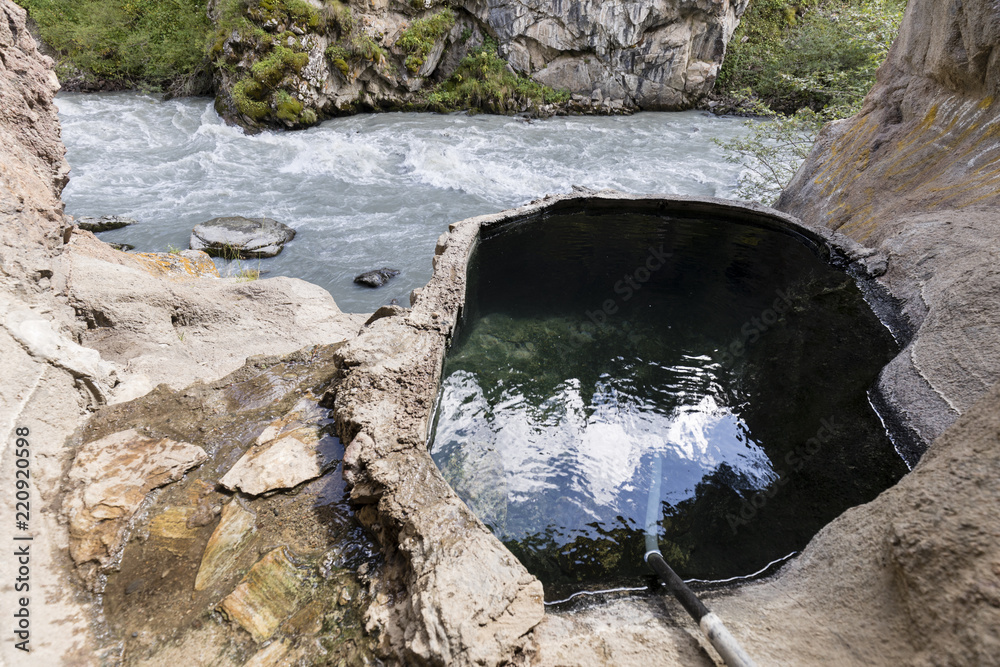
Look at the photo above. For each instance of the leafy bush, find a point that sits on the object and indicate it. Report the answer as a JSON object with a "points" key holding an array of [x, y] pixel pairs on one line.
{"points": [[800, 69], [804, 54], [147, 43], [483, 82]]}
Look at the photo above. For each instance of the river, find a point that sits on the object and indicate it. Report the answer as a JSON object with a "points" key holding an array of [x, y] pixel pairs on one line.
{"points": [[365, 191]]}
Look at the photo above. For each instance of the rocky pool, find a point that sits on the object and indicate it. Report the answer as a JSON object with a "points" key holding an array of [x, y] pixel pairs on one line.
{"points": [[597, 348], [366, 191]]}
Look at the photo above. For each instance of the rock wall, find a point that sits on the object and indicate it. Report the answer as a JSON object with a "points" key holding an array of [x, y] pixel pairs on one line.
{"points": [[915, 176], [291, 65], [912, 578], [656, 55]]}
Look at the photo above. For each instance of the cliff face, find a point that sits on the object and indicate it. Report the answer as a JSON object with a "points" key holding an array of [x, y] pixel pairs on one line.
{"points": [[289, 64], [923, 140], [33, 169], [656, 55], [915, 176], [83, 326]]}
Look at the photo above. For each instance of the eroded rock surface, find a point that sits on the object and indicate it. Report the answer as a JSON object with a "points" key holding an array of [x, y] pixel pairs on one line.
{"points": [[914, 175], [293, 568]]}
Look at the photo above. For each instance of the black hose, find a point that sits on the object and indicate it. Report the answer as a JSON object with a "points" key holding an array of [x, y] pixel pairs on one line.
{"points": [[724, 642]]}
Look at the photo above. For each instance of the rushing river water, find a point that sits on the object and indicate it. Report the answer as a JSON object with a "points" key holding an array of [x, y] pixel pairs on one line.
{"points": [[365, 191]]}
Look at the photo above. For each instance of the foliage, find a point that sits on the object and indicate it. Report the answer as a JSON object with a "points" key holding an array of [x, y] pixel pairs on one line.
{"points": [[772, 153], [482, 81], [146, 43], [259, 92], [800, 69], [418, 40], [808, 54], [288, 11]]}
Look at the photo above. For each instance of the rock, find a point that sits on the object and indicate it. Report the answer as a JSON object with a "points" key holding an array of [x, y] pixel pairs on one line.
{"points": [[183, 265], [237, 237], [237, 526], [124, 247], [109, 481], [267, 596], [376, 278], [662, 55], [42, 341], [289, 452], [913, 175], [392, 310], [104, 223], [172, 531]]}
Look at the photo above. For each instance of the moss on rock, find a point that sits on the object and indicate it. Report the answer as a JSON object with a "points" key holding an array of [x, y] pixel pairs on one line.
{"points": [[419, 39]]}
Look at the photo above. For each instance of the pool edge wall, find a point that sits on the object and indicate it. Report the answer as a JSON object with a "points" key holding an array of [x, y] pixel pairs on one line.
{"points": [[461, 598]]}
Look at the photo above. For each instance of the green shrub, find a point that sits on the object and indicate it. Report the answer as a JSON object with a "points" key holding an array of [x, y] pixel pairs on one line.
{"points": [[290, 11], [419, 39], [800, 70], [818, 55], [483, 82], [148, 43], [288, 108]]}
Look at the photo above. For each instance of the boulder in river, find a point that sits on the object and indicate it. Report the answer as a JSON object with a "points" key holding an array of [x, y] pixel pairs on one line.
{"points": [[104, 223], [376, 278], [235, 237]]}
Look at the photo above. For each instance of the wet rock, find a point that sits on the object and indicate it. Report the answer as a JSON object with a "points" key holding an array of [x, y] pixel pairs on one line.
{"points": [[104, 223], [267, 596], [171, 530], [109, 481], [235, 529], [376, 278], [275, 653], [287, 453], [238, 237]]}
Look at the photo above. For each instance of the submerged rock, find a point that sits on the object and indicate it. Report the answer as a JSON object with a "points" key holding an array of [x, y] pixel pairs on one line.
{"points": [[267, 596], [104, 223], [237, 526], [376, 278], [290, 451], [110, 479], [238, 237]]}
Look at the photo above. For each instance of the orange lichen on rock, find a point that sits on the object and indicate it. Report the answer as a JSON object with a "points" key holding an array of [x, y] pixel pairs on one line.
{"points": [[179, 266]]}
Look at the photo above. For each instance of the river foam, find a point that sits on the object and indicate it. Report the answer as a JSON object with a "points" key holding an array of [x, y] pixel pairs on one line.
{"points": [[365, 191]]}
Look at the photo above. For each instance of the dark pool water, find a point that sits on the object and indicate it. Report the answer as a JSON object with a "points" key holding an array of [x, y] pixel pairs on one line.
{"points": [[593, 344]]}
